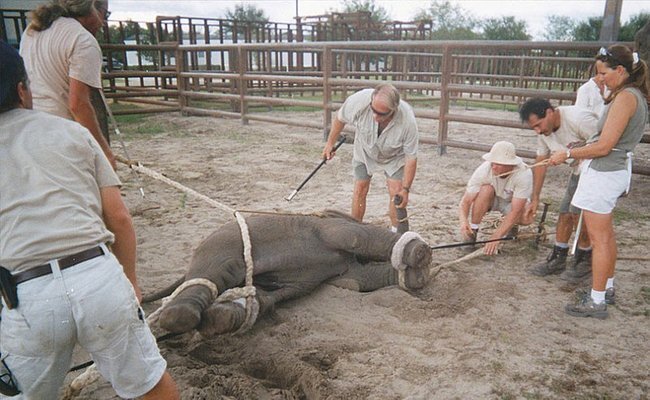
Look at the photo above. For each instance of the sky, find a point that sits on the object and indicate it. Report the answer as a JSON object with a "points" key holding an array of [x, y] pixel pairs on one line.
{"points": [[534, 12]]}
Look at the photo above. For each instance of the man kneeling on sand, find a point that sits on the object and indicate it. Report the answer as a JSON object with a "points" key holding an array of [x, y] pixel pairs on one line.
{"points": [[502, 183]]}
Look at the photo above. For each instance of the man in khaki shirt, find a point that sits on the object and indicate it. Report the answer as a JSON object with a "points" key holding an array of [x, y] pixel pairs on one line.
{"points": [[386, 140], [501, 183]]}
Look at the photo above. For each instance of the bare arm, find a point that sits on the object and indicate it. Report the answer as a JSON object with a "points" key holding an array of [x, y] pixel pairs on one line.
{"points": [[539, 174], [83, 112], [335, 131], [118, 220], [409, 175], [463, 212], [619, 116], [512, 218]]}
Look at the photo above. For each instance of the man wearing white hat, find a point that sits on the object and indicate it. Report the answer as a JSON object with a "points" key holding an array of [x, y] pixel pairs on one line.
{"points": [[502, 183]]}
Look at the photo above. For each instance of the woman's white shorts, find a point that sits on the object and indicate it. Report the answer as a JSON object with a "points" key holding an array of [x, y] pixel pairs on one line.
{"points": [[598, 191]]}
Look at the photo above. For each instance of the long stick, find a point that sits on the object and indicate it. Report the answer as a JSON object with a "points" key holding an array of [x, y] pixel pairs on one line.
{"points": [[461, 244], [295, 192], [577, 238], [540, 227]]}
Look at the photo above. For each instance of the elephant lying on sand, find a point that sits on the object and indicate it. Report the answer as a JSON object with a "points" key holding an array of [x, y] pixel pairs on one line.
{"points": [[292, 254]]}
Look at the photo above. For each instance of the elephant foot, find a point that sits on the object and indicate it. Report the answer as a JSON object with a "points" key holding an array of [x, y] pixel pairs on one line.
{"points": [[221, 318], [179, 318]]}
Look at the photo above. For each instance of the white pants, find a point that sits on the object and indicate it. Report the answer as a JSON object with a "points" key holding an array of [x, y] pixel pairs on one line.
{"points": [[93, 304]]}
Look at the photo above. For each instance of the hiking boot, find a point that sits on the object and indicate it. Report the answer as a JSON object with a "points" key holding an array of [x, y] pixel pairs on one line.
{"points": [[472, 237], [585, 307], [470, 240], [555, 263], [514, 231], [610, 294], [580, 267]]}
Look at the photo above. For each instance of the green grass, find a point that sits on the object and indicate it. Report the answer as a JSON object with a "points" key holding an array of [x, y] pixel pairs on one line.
{"points": [[134, 125]]}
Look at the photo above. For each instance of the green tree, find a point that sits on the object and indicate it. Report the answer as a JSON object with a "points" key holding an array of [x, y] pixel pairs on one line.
{"points": [[449, 21], [588, 31], [632, 26], [127, 31], [377, 12], [559, 28], [505, 28], [247, 13]]}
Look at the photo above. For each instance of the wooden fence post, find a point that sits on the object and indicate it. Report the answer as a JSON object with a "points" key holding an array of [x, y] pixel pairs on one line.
{"points": [[181, 84], [327, 90], [445, 79], [243, 84]]}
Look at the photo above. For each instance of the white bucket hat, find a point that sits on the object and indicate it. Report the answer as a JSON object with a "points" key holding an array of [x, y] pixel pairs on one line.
{"points": [[503, 153]]}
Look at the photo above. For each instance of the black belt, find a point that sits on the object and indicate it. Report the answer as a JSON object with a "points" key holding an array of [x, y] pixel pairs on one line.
{"points": [[65, 262]]}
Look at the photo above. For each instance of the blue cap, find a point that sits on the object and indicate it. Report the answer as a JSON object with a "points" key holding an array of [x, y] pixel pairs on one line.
{"points": [[12, 71]]}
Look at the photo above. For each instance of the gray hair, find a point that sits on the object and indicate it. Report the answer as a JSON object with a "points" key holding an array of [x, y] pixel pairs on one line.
{"points": [[389, 94], [43, 16]]}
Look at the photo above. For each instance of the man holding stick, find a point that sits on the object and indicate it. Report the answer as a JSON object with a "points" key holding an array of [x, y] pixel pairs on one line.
{"points": [[386, 139], [560, 129]]}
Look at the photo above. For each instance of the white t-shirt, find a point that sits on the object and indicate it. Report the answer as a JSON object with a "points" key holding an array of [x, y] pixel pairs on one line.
{"points": [[52, 172], [577, 124], [518, 185], [588, 96], [64, 50], [388, 151]]}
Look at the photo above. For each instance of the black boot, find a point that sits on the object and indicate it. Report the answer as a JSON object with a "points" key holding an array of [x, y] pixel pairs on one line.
{"points": [[555, 262], [580, 268]]}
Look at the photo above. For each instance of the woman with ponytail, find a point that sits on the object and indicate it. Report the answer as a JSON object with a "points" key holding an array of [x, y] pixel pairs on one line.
{"points": [[64, 61], [607, 170]]}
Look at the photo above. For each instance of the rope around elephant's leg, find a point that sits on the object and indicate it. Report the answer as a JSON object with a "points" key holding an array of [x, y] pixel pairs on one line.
{"points": [[214, 291], [252, 306]]}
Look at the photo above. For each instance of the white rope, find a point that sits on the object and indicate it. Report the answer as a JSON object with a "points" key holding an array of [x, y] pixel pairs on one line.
{"points": [[153, 317], [397, 256], [89, 376], [156, 175]]}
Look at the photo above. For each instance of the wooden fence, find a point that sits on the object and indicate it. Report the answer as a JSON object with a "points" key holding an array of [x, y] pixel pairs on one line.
{"points": [[254, 76]]}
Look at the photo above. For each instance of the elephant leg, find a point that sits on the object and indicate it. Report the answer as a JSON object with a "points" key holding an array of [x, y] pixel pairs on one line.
{"points": [[229, 316], [222, 318], [364, 240], [184, 312], [366, 277]]}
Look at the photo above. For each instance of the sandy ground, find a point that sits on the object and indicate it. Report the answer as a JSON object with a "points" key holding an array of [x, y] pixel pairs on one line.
{"points": [[481, 329]]}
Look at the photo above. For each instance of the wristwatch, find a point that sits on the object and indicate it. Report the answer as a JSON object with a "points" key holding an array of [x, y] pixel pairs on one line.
{"points": [[408, 189], [568, 153]]}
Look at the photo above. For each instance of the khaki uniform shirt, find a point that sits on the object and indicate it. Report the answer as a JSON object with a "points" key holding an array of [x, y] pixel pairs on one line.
{"points": [[64, 50], [577, 124], [50, 203], [518, 185], [389, 150]]}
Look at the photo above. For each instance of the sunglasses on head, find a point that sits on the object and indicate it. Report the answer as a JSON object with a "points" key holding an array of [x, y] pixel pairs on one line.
{"points": [[381, 114], [603, 52]]}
